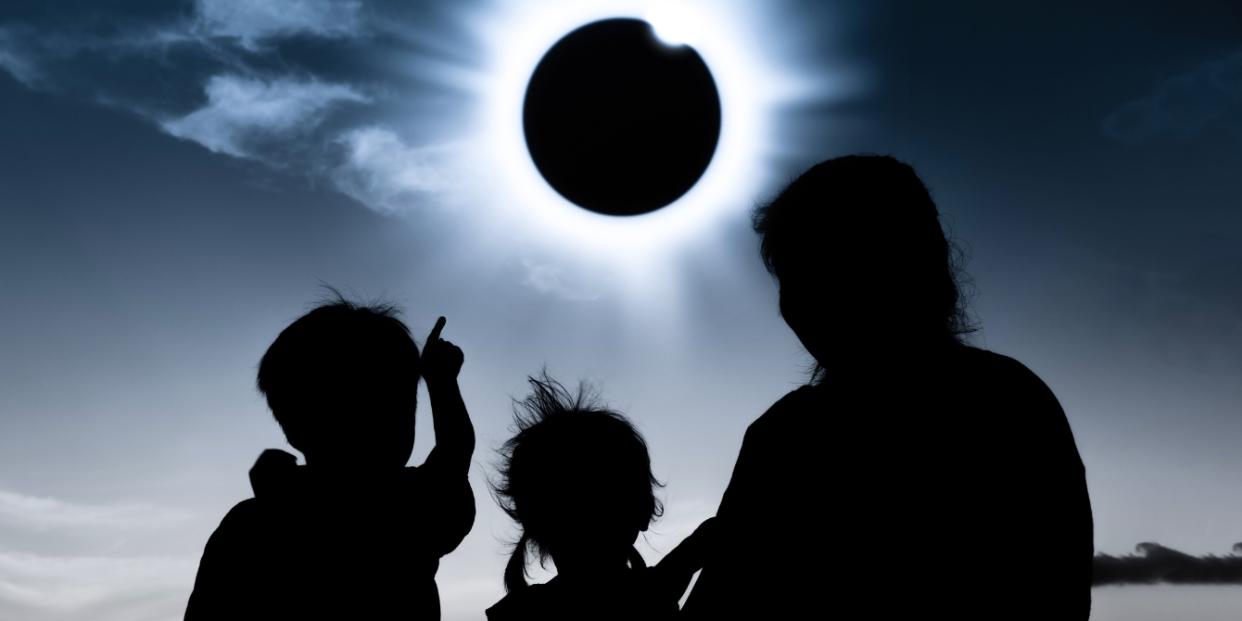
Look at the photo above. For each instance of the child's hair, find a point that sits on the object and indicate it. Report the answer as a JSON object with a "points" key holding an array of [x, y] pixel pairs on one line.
{"points": [[338, 359], [570, 452]]}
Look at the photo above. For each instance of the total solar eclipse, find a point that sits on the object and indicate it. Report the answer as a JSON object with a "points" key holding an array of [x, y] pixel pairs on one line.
{"points": [[618, 122]]}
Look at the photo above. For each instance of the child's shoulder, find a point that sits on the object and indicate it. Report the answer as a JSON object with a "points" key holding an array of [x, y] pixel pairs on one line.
{"points": [[241, 521], [232, 547], [243, 511], [524, 603]]}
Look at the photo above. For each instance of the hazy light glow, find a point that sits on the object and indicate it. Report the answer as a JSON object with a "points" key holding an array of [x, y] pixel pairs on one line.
{"points": [[674, 23], [520, 33]]}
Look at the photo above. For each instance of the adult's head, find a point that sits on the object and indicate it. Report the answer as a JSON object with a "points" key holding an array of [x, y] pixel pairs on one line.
{"points": [[862, 262], [342, 381]]}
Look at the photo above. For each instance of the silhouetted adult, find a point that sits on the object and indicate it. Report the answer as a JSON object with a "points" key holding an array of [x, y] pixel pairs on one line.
{"points": [[915, 476]]}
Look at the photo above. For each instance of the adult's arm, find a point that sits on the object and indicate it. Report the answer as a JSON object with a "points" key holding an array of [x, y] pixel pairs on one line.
{"points": [[1052, 504], [729, 584], [672, 575]]}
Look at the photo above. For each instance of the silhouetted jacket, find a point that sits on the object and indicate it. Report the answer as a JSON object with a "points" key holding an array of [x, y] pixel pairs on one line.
{"points": [[314, 545], [633, 593], [951, 488], [633, 596]]}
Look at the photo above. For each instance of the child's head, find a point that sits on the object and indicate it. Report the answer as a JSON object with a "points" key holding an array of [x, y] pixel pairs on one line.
{"points": [[342, 381], [577, 479]]}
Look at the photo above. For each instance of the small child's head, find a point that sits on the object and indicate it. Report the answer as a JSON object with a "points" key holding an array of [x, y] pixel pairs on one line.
{"points": [[342, 381], [577, 479]]}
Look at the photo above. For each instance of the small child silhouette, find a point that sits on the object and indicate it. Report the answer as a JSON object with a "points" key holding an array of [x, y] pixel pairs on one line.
{"points": [[354, 533], [577, 479]]}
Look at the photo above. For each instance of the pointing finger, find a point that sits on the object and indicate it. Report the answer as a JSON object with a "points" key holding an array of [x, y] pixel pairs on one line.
{"points": [[435, 332]]}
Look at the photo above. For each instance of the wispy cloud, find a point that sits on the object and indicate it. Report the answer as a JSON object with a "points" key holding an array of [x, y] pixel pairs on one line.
{"points": [[241, 112], [1207, 98], [223, 77], [553, 280], [253, 22], [36, 586], [156, 60], [384, 173], [215, 29], [14, 61], [68, 588], [41, 513]]}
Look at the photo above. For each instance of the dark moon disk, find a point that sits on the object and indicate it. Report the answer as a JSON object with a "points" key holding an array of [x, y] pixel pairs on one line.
{"points": [[618, 122]]}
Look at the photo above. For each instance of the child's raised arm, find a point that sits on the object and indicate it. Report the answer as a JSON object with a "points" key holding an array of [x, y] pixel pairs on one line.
{"points": [[441, 362]]}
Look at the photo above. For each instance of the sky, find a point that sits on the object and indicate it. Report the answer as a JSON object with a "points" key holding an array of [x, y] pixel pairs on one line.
{"points": [[179, 180]]}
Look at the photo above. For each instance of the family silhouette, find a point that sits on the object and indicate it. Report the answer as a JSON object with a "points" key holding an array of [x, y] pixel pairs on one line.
{"points": [[886, 487]]}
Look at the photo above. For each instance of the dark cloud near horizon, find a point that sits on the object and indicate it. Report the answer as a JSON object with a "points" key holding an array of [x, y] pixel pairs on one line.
{"points": [[1155, 563]]}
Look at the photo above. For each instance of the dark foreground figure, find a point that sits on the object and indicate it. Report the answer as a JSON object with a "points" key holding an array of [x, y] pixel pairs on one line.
{"points": [[915, 477], [354, 534], [577, 479]]}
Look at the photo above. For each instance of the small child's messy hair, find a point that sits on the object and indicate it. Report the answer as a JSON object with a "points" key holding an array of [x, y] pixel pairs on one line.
{"points": [[337, 354], [556, 432]]}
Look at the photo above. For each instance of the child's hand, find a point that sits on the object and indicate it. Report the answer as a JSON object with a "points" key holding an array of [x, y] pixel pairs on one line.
{"points": [[441, 359]]}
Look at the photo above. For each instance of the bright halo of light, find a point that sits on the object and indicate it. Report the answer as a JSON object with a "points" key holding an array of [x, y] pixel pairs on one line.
{"points": [[519, 32], [674, 22]]}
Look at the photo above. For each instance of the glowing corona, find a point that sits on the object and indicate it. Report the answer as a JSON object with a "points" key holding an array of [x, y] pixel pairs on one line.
{"points": [[520, 33]]}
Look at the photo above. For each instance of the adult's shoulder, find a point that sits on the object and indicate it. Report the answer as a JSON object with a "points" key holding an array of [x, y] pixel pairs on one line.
{"points": [[1031, 409], [783, 414], [1000, 370]]}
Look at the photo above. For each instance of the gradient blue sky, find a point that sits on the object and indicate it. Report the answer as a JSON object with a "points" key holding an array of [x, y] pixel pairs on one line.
{"points": [[178, 179]]}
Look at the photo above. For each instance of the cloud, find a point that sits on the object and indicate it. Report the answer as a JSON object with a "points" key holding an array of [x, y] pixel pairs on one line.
{"points": [[242, 112], [45, 513], [227, 76], [552, 280], [36, 587], [1208, 98], [60, 50], [1156, 563], [389, 176], [19, 65], [52, 45], [252, 22]]}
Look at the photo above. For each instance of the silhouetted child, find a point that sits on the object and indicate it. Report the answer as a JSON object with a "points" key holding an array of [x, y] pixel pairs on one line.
{"points": [[353, 534], [577, 479]]}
